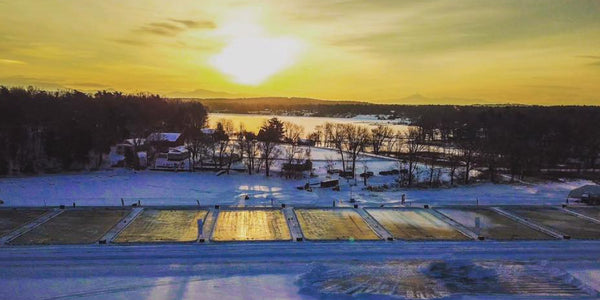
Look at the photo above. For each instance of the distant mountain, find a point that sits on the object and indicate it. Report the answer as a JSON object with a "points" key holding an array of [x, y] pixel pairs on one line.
{"points": [[423, 100], [272, 104], [286, 101], [222, 98], [202, 93], [320, 107]]}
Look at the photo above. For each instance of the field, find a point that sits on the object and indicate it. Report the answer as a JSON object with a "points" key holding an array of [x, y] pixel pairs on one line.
{"points": [[415, 224], [577, 228], [434, 279], [155, 225], [334, 224], [73, 227], [493, 225], [251, 225], [592, 212], [11, 219]]}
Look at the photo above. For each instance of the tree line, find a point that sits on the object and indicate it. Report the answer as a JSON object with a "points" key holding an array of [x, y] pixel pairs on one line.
{"points": [[54, 131], [67, 130]]}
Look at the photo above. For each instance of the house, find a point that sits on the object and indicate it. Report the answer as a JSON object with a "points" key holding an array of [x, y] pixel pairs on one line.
{"points": [[175, 159], [162, 141], [589, 194]]}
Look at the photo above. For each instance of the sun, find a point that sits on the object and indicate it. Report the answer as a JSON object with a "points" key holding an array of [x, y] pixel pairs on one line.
{"points": [[250, 60]]}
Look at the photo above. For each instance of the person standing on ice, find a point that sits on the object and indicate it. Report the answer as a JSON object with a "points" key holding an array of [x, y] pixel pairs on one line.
{"points": [[403, 199]]}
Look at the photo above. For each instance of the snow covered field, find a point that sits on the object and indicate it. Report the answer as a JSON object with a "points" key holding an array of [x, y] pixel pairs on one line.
{"points": [[251, 225], [367, 270], [161, 225], [307, 270], [167, 188]]}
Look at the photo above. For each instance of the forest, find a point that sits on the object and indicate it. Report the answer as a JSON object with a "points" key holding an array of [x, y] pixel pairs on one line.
{"points": [[44, 131]]}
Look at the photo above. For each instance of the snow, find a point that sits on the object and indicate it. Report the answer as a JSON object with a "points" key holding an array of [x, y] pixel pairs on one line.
{"points": [[252, 122], [366, 117], [290, 270], [335, 270], [107, 187], [184, 188], [163, 136]]}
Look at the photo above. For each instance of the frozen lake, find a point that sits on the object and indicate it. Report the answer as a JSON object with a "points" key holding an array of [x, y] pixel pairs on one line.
{"points": [[253, 122]]}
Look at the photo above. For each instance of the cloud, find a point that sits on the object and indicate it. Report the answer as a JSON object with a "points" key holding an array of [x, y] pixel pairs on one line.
{"points": [[589, 56], [42, 83], [130, 42], [395, 27], [5, 61], [203, 93], [596, 63], [551, 87], [93, 85], [173, 27], [195, 24]]}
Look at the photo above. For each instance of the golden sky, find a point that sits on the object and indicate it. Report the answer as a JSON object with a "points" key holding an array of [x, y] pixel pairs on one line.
{"points": [[521, 51]]}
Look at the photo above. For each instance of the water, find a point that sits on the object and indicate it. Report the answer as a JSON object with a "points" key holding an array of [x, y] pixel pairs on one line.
{"points": [[253, 122]]}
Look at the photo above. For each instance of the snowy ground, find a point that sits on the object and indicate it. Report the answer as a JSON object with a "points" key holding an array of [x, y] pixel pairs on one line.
{"points": [[364, 270], [168, 188], [328, 270]]}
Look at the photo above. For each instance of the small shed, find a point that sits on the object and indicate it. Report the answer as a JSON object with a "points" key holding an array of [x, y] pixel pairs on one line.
{"points": [[330, 183], [589, 194]]}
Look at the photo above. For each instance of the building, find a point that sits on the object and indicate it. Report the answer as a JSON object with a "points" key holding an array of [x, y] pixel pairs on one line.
{"points": [[162, 141], [176, 159], [589, 194]]}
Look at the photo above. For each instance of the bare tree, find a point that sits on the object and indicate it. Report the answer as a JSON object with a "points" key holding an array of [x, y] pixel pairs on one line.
{"points": [[431, 164], [248, 142], [317, 136], [221, 138], [380, 135], [452, 157], [270, 135], [292, 135], [356, 138], [468, 149], [336, 136], [414, 145], [194, 143]]}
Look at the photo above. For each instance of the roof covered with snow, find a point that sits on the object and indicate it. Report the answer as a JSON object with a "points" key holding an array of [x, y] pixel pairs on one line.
{"points": [[591, 190], [208, 130], [163, 136]]}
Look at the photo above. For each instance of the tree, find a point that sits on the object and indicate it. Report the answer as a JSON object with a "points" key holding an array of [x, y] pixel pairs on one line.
{"points": [[380, 135], [468, 149], [453, 159], [292, 135], [196, 142], [356, 138], [270, 135], [317, 135], [220, 139], [335, 136], [413, 141], [249, 143]]}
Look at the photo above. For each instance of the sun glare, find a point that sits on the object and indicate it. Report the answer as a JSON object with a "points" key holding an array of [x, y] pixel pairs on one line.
{"points": [[252, 60]]}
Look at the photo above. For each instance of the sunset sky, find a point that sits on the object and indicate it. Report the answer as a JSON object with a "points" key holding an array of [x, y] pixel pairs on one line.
{"points": [[534, 52]]}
